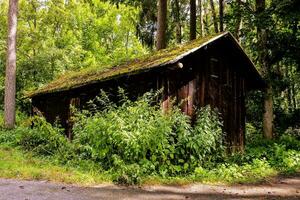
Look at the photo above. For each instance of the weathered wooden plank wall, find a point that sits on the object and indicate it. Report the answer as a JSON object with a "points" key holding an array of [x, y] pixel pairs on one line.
{"points": [[213, 81]]}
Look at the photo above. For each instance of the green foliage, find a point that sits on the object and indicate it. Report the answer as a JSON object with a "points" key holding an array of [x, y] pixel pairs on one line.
{"points": [[280, 20], [133, 139], [206, 140], [12, 137], [282, 154], [156, 145], [126, 131], [261, 159], [127, 174], [234, 173], [43, 138], [57, 35], [17, 164], [136, 132]]}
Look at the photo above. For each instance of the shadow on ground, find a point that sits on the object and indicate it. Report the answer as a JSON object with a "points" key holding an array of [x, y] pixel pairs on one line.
{"points": [[281, 188]]}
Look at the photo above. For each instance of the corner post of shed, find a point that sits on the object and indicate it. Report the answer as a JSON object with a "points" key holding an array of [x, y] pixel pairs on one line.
{"points": [[74, 103]]}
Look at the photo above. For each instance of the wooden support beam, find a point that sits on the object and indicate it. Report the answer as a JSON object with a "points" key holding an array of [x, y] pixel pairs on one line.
{"points": [[190, 97], [166, 95], [74, 104]]}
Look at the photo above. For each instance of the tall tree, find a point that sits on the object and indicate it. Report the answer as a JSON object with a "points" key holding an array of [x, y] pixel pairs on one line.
{"points": [[205, 17], [214, 15], [193, 19], [177, 21], [262, 36], [238, 20], [161, 40], [10, 73], [221, 14], [200, 18]]}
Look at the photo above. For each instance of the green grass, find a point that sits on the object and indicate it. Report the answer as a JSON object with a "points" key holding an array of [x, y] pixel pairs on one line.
{"points": [[223, 174], [17, 164]]}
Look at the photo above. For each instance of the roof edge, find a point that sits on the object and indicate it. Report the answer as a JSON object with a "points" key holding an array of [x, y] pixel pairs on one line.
{"points": [[196, 48], [262, 81]]}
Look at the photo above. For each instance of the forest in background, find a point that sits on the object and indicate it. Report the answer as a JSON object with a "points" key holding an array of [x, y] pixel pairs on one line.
{"points": [[55, 36], [58, 36]]}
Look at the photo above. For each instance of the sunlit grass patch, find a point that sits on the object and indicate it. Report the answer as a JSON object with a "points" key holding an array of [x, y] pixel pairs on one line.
{"points": [[15, 163]]}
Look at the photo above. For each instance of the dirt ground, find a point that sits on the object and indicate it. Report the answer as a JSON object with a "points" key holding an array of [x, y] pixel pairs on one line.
{"points": [[279, 188]]}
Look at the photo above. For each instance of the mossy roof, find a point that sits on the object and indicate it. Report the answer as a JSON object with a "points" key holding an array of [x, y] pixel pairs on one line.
{"points": [[161, 58]]}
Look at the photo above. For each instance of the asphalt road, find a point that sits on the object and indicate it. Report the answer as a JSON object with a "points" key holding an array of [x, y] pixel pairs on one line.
{"points": [[281, 188]]}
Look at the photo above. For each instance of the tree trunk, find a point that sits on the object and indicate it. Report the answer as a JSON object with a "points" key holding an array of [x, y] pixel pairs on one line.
{"points": [[200, 18], [193, 19], [293, 90], [212, 6], [178, 23], [221, 14], [161, 25], [238, 20], [264, 62], [289, 91], [205, 18], [10, 73], [268, 113]]}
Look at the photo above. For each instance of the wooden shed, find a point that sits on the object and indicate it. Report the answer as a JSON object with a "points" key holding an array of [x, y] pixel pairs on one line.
{"points": [[213, 70]]}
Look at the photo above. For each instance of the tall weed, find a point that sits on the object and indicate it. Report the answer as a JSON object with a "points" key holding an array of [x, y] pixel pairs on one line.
{"points": [[43, 138], [138, 132]]}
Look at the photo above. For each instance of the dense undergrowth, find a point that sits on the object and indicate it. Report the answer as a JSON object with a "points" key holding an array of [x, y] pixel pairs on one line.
{"points": [[133, 142]]}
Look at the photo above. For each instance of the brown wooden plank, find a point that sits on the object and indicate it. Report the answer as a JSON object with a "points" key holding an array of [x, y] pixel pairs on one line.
{"points": [[243, 114], [190, 99], [166, 96], [234, 113], [238, 113], [197, 90], [74, 104], [183, 95], [220, 82], [230, 108], [202, 89]]}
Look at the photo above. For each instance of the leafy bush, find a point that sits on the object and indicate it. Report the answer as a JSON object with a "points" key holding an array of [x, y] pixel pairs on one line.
{"points": [[282, 154], [293, 133], [137, 132], [126, 174], [10, 137], [43, 138], [206, 140], [130, 138], [130, 131], [234, 173]]}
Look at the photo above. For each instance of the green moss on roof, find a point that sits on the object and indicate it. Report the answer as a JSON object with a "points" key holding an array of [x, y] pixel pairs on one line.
{"points": [[87, 76]]}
